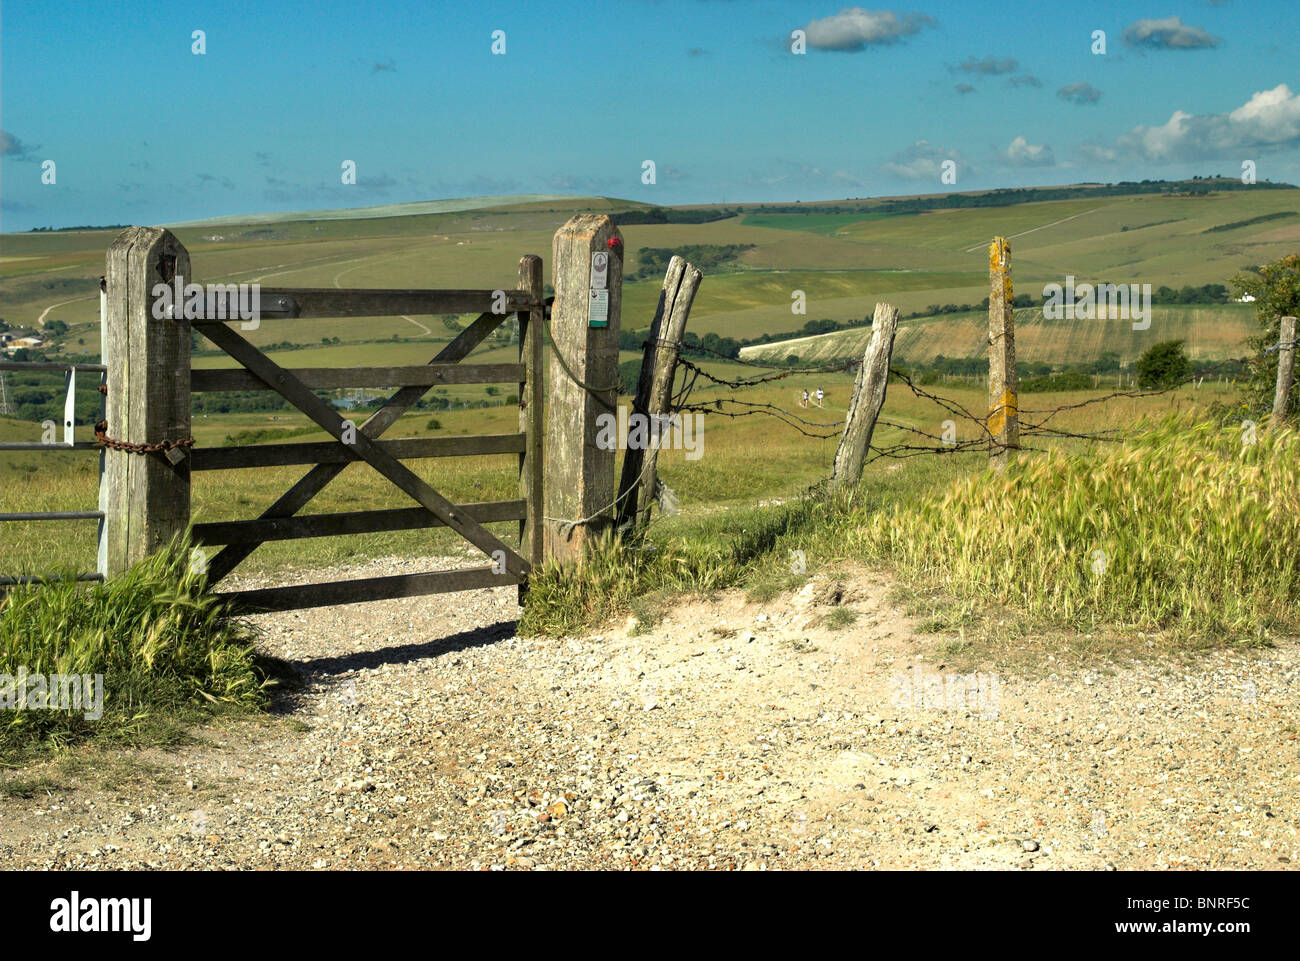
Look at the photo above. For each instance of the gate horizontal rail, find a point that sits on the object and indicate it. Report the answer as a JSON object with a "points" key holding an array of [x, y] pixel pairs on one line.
{"points": [[296, 597], [331, 452], [54, 516], [49, 365], [38, 445], [353, 522], [330, 378], [54, 579], [320, 302], [69, 442]]}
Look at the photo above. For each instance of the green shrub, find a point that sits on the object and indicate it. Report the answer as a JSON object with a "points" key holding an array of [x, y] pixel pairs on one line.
{"points": [[1276, 289], [1072, 380], [1163, 365], [259, 434]]}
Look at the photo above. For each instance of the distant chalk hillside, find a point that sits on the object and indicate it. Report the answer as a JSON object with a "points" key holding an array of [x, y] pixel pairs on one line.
{"points": [[1211, 333], [385, 210]]}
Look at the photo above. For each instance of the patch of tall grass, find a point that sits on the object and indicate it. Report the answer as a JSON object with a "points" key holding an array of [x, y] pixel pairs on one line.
{"points": [[163, 646], [719, 551], [1187, 529]]}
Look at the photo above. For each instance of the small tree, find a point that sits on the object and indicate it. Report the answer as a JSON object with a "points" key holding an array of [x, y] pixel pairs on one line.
{"points": [[1163, 365], [1276, 289]]}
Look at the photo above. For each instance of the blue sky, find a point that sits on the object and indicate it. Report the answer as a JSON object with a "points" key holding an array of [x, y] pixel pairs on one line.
{"points": [[142, 130]]}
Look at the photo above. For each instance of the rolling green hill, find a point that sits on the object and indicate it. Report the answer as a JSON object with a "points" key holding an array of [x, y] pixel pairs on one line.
{"points": [[843, 256]]}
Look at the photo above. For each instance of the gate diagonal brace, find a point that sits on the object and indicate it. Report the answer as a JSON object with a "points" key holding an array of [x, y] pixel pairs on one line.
{"points": [[316, 479], [298, 394]]}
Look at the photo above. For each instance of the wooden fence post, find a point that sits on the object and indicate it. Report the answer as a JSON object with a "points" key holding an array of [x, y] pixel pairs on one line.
{"points": [[101, 528], [868, 397], [587, 270], [530, 411], [1285, 368], [146, 497], [1004, 421], [654, 389]]}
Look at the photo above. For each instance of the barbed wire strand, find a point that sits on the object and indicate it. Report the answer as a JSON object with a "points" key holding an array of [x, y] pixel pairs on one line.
{"points": [[822, 430]]}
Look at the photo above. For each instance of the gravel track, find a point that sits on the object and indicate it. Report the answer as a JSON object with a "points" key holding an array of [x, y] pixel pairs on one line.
{"points": [[731, 736]]}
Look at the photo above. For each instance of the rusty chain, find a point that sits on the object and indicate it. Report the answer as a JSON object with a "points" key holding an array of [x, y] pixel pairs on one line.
{"points": [[160, 447], [164, 447]]}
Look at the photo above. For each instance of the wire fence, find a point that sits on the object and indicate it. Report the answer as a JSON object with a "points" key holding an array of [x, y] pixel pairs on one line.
{"points": [[1034, 422]]}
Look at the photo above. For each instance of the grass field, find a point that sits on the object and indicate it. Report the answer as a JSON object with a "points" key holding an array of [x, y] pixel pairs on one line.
{"points": [[844, 263]]}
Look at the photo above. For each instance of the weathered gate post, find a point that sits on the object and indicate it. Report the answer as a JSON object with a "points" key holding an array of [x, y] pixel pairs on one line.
{"points": [[146, 497], [654, 391], [587, 270], [1004, 419]]}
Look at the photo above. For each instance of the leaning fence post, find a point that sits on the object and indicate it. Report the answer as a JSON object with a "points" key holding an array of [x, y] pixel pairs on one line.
{"points": [[1004, 422], [530, 411], [146, 497], [654, 390], [1285, 368], [868, 397], [587, 270]]}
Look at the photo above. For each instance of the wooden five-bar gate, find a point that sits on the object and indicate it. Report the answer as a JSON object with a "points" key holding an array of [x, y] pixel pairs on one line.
{"points": [[147, 456], [150, 381]]}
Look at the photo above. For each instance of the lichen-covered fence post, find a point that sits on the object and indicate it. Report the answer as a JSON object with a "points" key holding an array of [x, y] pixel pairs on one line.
{"points": [[582, 384], [1285, 368], [868, 397], [1004, 420], [146, 496]]}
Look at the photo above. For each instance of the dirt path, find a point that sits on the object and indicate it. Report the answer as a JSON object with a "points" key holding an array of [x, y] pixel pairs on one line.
{"points": [[1054, 223], [732, 736], [63, 303]]}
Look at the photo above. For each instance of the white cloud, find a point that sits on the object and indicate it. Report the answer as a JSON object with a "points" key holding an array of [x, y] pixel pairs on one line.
{"points": [[1169, 33], [1269, 119], [1269, 116], [1022, 153], [854, 28], [1080, 93], [988, 66], [921, 161]]}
